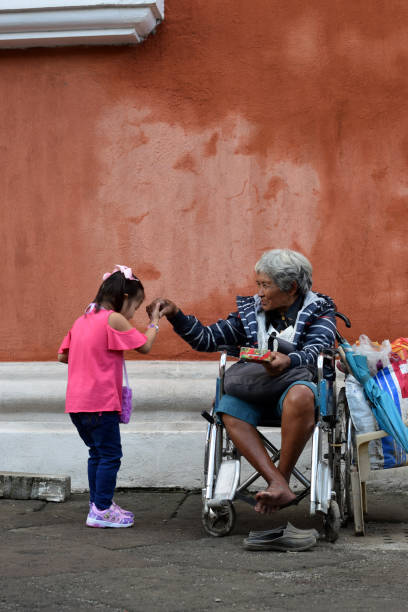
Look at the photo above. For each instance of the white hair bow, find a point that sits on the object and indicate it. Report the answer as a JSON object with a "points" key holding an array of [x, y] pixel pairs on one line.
{"points": [[127, 273]]}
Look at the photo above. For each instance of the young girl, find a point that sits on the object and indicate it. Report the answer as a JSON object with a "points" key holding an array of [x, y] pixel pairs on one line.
{"points": [[93, 350]]}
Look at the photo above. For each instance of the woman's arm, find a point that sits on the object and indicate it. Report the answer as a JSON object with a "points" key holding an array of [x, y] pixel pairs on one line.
{"points": [[205, 338], [320, 334]]}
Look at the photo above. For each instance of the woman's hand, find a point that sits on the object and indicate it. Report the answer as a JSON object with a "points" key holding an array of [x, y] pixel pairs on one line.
{"points": [[278, 363], [167, 308]]}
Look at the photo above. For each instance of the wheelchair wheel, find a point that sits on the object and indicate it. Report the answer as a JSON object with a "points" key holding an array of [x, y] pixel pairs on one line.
{"points": [[332, 522], [342, 459], [219, 522], [219, 433]]}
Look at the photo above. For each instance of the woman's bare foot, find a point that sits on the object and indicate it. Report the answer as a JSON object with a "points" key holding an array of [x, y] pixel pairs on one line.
{"points": [[274, 496]]}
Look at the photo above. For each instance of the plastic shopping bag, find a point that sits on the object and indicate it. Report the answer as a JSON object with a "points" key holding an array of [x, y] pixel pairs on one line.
{"points": [[400, 349], [378, 355], [394, 380], [364, 420], [383, 453]]}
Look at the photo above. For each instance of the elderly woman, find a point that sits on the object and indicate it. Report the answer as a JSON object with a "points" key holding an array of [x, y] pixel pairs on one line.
{"points": [[284, 307]]}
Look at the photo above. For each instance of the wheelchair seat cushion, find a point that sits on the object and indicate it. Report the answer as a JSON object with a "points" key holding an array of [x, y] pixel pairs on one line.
{"points": [[268, 415]]}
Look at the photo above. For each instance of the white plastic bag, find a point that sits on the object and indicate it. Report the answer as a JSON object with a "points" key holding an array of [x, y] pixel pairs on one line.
{"points": [[360, 410], [364, 420], [378, 356]]}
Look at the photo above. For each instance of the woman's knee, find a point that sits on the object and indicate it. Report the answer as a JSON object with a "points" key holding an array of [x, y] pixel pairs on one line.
{"points": [[300, 400], [229, 421], [233, 423]]}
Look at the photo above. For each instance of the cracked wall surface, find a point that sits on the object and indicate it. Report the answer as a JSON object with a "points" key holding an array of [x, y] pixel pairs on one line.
{"points": [[232, 131]]}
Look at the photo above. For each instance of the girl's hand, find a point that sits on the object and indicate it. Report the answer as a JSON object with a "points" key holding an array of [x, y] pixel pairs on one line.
{"points": [[153, 310], [63, 357], [154, 313], [167, 308], [150, 307]]}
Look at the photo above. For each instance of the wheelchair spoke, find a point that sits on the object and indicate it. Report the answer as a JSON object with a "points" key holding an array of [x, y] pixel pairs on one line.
{"points": [[341, 458]]}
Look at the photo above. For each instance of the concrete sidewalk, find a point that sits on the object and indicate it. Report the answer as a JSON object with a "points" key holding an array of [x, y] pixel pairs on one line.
{"points": [[50, 560]]}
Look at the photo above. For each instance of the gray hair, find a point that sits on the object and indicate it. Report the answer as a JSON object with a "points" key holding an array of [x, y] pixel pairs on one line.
{"points": [[284, 266]]}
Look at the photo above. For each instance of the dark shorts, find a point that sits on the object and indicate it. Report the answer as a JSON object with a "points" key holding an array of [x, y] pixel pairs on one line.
{"points": [[254, 414]]}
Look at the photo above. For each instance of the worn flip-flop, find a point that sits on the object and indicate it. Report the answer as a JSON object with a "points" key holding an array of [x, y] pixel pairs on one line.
{"points": [[281, 541]]}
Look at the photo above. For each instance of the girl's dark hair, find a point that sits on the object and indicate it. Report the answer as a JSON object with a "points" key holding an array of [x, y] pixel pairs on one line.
{"points": [[114, 288]]}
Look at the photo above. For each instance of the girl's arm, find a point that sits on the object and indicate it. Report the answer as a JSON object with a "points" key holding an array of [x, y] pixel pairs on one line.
{"points": [[63, 357], [120, 323], [151, 332]]}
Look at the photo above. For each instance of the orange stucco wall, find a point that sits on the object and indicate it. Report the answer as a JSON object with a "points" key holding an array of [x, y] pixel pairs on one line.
{"points": [[238, 127]]}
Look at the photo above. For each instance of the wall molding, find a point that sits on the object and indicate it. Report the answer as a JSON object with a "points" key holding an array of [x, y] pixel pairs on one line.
{"points": [[55, 23]]}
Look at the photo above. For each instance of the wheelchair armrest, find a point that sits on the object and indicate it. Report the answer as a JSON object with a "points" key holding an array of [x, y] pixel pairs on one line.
{"points": [[223, 363], [327, 356]]}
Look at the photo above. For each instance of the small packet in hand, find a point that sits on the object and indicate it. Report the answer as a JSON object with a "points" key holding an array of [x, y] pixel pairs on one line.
{"points": [[252, 354]]}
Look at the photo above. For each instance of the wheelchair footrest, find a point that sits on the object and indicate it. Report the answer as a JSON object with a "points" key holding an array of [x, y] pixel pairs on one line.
{"points": [[226, 483]]}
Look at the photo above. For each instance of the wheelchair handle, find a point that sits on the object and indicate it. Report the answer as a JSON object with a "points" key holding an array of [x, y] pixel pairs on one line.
{"points": [[343, 317], [347, 323]]}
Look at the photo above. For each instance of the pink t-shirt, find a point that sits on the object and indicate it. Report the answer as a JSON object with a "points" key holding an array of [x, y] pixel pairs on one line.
{"points": [[95, 362]]}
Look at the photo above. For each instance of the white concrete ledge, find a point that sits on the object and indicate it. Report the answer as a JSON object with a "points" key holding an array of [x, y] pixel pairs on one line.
{"points": [[51, 23], [155, 454], [164, 387], [48, 487], [163, 445], [152, 457]]}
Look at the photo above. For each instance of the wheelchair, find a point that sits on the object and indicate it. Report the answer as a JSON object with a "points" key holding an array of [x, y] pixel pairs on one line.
{"points": [[329, 485]]}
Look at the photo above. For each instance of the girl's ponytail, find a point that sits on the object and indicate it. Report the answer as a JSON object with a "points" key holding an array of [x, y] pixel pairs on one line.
{"points": [[114, 287]]}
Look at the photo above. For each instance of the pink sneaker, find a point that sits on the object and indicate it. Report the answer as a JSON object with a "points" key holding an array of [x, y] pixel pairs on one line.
{"points": [[122, 511], [111, 517]]}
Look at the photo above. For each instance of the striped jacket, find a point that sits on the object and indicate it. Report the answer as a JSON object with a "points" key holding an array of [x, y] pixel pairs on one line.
{"points": [[314, 329]]}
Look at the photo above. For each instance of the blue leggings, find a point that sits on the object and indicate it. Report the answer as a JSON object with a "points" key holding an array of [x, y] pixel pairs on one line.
{"points": [[100, 432]]}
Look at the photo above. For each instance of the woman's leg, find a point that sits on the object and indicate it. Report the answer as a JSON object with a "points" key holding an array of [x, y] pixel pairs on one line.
{"points": [[247, 440], [298, 421]]}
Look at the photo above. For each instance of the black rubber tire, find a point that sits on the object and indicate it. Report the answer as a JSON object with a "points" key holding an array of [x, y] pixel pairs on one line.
{"points": [[342, 459], [332, 522], [219, 522]]}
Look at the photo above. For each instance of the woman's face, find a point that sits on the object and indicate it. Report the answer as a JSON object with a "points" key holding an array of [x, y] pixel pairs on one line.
{"points": [[273, 298]]}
